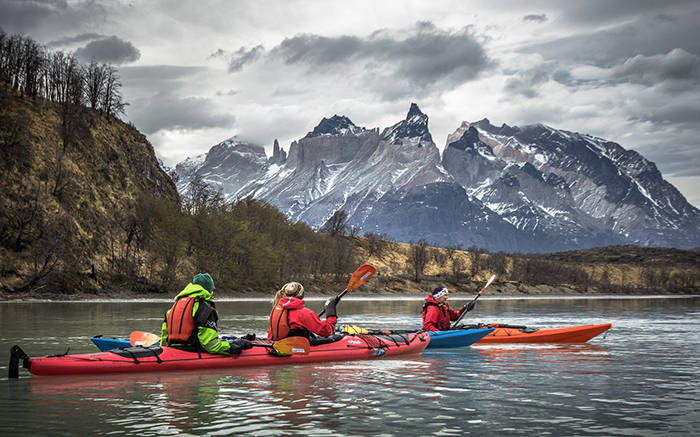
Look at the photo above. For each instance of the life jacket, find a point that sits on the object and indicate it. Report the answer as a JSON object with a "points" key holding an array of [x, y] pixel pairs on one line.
{"points": [[279, 323], [280, 327], [443, 321], [181, 326]]}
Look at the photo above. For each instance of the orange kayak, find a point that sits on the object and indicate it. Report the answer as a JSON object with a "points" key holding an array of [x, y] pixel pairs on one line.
{"points": [[523, 334]]}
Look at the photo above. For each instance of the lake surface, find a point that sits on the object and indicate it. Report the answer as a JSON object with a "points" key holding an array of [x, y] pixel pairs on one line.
{"points": [[641, 379]]}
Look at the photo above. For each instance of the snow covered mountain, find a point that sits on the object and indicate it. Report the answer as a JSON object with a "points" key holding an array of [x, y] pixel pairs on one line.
{"points": [[534, 189]]}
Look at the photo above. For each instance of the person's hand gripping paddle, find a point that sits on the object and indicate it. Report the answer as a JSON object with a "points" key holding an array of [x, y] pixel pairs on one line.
{"points": [[470, 305], [358, 278]]}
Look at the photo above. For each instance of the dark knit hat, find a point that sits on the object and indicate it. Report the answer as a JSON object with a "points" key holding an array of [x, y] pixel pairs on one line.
{"points": [[205, 280]]}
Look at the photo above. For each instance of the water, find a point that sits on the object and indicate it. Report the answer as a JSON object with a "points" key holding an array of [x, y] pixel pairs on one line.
{"points": [[640, 380]]}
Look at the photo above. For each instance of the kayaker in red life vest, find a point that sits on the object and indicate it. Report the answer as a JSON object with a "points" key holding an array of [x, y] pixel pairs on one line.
{"points": [[289, 317], [437, 314], [192, 320]]}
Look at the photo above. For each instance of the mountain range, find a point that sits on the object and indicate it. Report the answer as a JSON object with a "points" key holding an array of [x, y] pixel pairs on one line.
{"points": [[516, 189]]}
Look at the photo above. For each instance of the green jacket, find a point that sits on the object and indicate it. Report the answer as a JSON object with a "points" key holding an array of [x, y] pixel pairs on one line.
{"points": [[205, 318]]}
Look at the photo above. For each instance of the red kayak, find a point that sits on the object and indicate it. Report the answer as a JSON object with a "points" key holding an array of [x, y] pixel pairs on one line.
{"points": [[157, 358], [523, 334]]}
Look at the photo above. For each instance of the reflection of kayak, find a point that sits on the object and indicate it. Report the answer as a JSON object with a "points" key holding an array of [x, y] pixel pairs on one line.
{"points": [[523, 334], [157, 358], [456, 338]]}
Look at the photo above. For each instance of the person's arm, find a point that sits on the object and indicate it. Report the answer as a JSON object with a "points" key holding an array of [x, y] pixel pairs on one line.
{"points": [[205, 318], [309, 320], [164, 331], [454, 315]]}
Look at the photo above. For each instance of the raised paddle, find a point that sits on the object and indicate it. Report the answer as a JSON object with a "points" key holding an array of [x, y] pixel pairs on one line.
{"points": [[358, 278], [285, 347], [477, 296]]}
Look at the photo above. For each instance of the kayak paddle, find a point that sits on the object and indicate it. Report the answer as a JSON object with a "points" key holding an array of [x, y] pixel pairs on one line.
{"points": [[285, 347], [477, 296], [289, 346], [145, 339], [358, 278]]}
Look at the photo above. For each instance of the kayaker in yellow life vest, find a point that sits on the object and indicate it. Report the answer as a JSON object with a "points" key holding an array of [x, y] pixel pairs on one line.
{"points": [[192, 320]]}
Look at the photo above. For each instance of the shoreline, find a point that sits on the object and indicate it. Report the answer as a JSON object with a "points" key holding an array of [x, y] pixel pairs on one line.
{"points": [[357, 297]]}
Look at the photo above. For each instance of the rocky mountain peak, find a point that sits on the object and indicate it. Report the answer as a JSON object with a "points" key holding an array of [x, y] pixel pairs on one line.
{"points": [[338, 125], [414, 128]]}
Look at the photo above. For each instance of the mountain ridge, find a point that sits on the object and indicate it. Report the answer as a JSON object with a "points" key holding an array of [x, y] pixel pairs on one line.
{"points": [[520, 189]]}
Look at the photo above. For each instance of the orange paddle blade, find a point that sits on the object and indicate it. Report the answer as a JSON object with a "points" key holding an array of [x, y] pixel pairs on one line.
{"points": [[360, 276], [487, 284], [140, 338], [292, 346]]}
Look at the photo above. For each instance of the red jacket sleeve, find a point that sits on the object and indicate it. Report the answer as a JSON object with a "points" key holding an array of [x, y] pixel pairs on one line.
{"points": [[308, 319], [454, 315]]}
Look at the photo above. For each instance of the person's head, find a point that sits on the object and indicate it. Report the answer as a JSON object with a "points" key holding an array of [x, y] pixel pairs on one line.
{"points": [[205, 281], [440, 294], [290, 289]]}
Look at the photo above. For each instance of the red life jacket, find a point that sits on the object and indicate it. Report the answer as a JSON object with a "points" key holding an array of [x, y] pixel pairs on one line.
{"points": [[279, 323], [443, 317], [180, 322]]}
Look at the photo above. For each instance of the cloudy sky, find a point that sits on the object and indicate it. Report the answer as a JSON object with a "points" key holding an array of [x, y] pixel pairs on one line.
{"points": [[196, 73]]}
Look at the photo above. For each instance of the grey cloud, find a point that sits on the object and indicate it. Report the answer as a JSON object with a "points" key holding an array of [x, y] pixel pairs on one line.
{"points": [[675, 155], [680, 68], [241, 57], [111, 50], [157, 76], [78, 39], [606, 11], [318, 50], [682, 114], [22, 15], [421, 57], [165, 111], [644, 35], [526, 81], [535, 17]]}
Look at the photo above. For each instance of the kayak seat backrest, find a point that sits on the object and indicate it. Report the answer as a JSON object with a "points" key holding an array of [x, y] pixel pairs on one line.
{"points": [[138, 351], [324, 340]]}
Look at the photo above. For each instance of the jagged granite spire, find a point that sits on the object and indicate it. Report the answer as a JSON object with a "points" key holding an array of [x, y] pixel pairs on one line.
{"points": [[414, 127], [279, 156]]}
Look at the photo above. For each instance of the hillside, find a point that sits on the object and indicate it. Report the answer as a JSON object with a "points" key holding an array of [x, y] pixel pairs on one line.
{"points": [[70, 192], [611, 270]]}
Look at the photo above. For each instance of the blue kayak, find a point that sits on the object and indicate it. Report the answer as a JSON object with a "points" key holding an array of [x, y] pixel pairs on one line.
{"points": [[456, 338], [107, 344]]}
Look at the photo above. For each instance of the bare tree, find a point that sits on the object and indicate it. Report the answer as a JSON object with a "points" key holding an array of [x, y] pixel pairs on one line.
{"points": [[475, 260], [418, 258], [95, 78], [337, 224], [112, 103], [376, 244]]}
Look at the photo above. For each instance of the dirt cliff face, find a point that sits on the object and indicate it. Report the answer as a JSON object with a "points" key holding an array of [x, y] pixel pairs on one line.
{"points": [[68, 182]]}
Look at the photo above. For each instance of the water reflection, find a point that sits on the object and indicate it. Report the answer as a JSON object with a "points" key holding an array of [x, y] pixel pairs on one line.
{"points": [[639, 380]]}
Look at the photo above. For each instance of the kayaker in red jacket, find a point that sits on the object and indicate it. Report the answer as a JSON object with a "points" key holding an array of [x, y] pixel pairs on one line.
{"points": [[437, 314], [289, 316]]}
